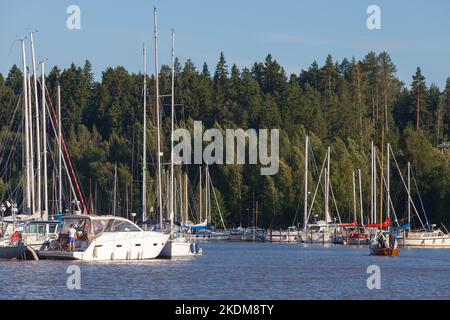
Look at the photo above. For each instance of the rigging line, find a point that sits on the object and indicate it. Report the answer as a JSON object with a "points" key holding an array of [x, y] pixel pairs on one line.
{"points": [[384, 180], [67, 154], [10, 127], [406, 188], [420, 199], [335, 202], [317, 188]]}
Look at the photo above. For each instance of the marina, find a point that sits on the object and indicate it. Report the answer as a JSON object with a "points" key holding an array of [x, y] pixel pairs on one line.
{"points": [[240, 271], [156, 172]]}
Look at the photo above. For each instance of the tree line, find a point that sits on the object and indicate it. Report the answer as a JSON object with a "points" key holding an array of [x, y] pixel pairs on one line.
{"points": [[343, 104]]}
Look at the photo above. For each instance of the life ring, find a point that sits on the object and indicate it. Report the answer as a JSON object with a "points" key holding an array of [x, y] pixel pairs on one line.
{"points": [[15, 236]]}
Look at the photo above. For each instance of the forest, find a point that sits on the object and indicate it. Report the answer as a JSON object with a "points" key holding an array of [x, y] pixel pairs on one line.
{"points": [[342, 104]]}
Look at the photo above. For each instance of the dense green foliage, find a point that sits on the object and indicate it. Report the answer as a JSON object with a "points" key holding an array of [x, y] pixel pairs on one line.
{"points": [[343, 104]]}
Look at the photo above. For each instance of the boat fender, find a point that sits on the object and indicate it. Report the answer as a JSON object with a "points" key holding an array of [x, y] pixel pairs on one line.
{"points": [[196, 247], [192, 248], [15, 237]]}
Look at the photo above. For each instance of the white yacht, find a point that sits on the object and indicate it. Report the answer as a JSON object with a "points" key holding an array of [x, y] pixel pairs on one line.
{"points": [[105, 238], [425, 239]]}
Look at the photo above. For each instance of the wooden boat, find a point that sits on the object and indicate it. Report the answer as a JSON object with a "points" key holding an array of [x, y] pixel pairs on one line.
{"points": [[375, 250]]}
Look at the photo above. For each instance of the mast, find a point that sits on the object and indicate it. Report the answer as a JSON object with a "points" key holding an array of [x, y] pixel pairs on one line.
{"points": [[30, 133], [327, 192], [354, 196], [115, 189], [44, 143], [171, 131], [305, 213], [375, 174], [186, 201], [27, 192], [381, 177], [158, 156], [371, 184], [144, 144], [38, 140], [206, 195], [360, 197], [60, 209], [388, 187], [200, 191], [409, 194]]}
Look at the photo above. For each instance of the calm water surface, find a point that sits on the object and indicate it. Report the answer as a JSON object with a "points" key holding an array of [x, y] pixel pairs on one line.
{"points": [[240, 271]]}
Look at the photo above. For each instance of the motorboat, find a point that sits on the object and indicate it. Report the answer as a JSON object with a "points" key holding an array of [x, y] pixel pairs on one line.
{"points": [[424, 239], [291, 235], [254, 234], [105, 238]]}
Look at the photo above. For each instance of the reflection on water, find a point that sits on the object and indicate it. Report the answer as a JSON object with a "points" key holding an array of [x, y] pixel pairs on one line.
{"points": [[240, 271]]}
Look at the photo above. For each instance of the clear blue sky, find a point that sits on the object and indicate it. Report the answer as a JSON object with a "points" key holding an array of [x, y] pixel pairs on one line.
{"points": [[296, 33]]}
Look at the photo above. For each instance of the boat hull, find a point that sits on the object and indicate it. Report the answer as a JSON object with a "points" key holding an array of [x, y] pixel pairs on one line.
{"points": [[12, 252], [376, 251], [178, 248], [441, 242], [128, 246]]}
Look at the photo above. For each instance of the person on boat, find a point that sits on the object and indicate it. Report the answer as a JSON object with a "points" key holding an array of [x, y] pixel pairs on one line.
{"points": [[391, 239], [381, 240], [72, 233]]}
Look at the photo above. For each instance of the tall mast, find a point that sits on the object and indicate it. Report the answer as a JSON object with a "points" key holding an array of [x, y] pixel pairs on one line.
{"points": [[38, 140], [206, 195], [388, 187], [158, 156], [30, 133], [60, 208], [381, 177], [44, 142], [27, 192], [375, 187], [409, 194], [327, 192], [144, 144], [360, 197], [371, 184], [305, 213], [171, 131], [354, 196], [200, 191]]}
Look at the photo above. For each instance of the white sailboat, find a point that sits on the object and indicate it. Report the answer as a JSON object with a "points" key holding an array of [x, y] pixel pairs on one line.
{"points": [[178, 245], [428, 236], [321, 231]]}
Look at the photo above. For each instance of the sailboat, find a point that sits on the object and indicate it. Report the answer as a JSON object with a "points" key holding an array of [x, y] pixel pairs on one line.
{"points": [[428, 236], [319, 231], [204, 231], [380, 245]]}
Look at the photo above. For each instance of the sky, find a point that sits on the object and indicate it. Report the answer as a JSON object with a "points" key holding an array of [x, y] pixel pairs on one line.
{"points": [[295, 32]]}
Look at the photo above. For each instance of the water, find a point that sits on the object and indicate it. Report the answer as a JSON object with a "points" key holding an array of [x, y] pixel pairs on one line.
{"points": [[240, 271]]}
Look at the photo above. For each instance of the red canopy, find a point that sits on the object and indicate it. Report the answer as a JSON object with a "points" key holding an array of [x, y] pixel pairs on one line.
{"points": [[386, 224], [349, 225]]}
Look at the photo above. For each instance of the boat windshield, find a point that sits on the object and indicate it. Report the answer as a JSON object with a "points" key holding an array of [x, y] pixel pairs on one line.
{"points": [[82, 225]]}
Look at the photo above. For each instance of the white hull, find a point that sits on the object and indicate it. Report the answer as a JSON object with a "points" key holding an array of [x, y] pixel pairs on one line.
{"points": [[438, 242], [318, 237], [116, 246], [284, 238], [180, 247]]}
